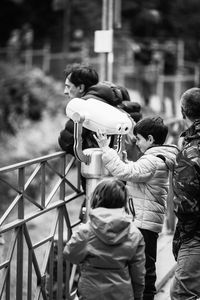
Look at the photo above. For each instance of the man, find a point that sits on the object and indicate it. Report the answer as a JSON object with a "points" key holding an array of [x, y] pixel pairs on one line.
{"points": [[83, 82], [186, 186]]}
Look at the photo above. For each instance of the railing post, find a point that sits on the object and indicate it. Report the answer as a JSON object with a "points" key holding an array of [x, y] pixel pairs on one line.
{"points": [[19, 286], [60, 256], [62, 171]]}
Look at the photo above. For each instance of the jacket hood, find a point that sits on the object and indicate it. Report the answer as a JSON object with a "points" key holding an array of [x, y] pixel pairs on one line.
{"points": [[110, 225], [101, 92], [166, 152]]}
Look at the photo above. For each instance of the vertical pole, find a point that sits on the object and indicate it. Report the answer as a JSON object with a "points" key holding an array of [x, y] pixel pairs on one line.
{"points": [[104, 27], [180, 55], [178, 81], [160, 91], [117, 14], [19, 269], [110, 54], [107, 24], [66, 25]]}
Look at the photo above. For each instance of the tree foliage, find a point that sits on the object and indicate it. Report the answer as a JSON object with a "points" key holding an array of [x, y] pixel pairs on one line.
{"points": [[26, 96], [144, 19]]}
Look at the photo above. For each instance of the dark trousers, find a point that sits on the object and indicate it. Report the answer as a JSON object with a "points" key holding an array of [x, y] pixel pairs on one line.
{"points": [[150, 239]]}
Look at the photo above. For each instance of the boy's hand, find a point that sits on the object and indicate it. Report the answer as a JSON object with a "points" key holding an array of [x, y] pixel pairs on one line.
{"points": [[102, 139]]}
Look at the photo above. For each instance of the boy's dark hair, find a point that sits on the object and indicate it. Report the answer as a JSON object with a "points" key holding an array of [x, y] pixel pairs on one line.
{"points": [[191, 103], [152, 126], [110, 193], [82, 74]]}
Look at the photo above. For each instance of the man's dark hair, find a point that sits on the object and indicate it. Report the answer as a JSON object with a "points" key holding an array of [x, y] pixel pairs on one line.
{"points": [[152, 126], [191, 103], [82, 74]]}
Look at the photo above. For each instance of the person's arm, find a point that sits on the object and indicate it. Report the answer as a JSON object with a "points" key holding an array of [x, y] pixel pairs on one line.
{"points": [[66, 138], [137, 270], [187, 191], [76, 248], [139, 171]]}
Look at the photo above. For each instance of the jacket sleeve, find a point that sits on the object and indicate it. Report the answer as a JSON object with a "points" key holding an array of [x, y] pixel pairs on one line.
{"points": [[186, 184], [76, 248], [66, 138], [140, 171], [137, 270]]}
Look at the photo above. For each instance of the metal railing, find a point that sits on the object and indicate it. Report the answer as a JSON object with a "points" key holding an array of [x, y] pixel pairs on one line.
{"points": [[32, 265]]}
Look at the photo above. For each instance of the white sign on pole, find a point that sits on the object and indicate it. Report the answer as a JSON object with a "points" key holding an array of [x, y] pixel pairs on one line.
{"points": [[103, 41]]}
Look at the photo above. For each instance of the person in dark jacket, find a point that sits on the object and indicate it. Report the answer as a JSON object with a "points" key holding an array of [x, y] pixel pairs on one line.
{"points": [[186, 187], [83, 82], [108, 248]]}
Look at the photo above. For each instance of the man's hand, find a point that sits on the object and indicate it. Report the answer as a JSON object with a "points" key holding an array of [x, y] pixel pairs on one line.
{"points": [[102, 139]]}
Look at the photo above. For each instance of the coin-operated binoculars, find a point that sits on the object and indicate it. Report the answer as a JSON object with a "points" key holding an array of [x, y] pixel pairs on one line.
{"points": [[94, 115]]}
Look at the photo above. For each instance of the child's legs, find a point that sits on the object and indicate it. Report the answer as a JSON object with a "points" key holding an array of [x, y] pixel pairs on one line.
{"points": [[186, 284], [150, 239]]}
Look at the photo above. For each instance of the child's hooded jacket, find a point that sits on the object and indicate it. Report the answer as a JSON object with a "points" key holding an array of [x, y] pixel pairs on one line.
{"points": [[110, 251], [147, 181]]}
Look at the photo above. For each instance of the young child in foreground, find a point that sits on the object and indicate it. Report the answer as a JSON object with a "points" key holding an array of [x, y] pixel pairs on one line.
{"points": [[148, 183], [109, 248]]}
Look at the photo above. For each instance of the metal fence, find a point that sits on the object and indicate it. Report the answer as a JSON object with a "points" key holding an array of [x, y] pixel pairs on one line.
{"points": [[36, 228]]}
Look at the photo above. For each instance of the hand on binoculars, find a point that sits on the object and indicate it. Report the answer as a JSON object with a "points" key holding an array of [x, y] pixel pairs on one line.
{"points": [[102, 139]]}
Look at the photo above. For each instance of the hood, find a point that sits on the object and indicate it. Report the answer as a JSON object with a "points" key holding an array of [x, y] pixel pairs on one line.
{"points": [[166, 152], [110, 225], [101, 92]]}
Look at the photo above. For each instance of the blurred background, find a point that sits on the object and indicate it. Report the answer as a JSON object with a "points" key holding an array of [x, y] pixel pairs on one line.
{"points": [[149, 46]]}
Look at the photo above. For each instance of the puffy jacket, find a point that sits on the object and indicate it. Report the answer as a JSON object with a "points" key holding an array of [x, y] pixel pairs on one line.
{"points": [[186, 185], [110, 251], [100, 92], [147, 180]]}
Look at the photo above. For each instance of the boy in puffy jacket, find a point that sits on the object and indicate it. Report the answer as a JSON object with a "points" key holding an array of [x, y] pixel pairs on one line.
{"points": [[109, 248], [148, 183]]}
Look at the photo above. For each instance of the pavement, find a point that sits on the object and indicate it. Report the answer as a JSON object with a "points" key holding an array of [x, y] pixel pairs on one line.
{"points": [[165, 266]]}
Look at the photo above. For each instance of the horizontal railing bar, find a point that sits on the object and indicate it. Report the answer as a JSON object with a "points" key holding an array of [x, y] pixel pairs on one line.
{"points": [[20, 222], [40, 243], [32, 161]]}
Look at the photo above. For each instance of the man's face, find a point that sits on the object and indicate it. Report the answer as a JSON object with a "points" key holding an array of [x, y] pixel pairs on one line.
{"points": [[71, 91]]}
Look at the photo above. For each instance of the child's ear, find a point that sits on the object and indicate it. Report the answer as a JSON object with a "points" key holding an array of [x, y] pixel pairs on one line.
{"points": [[151, 138]]}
